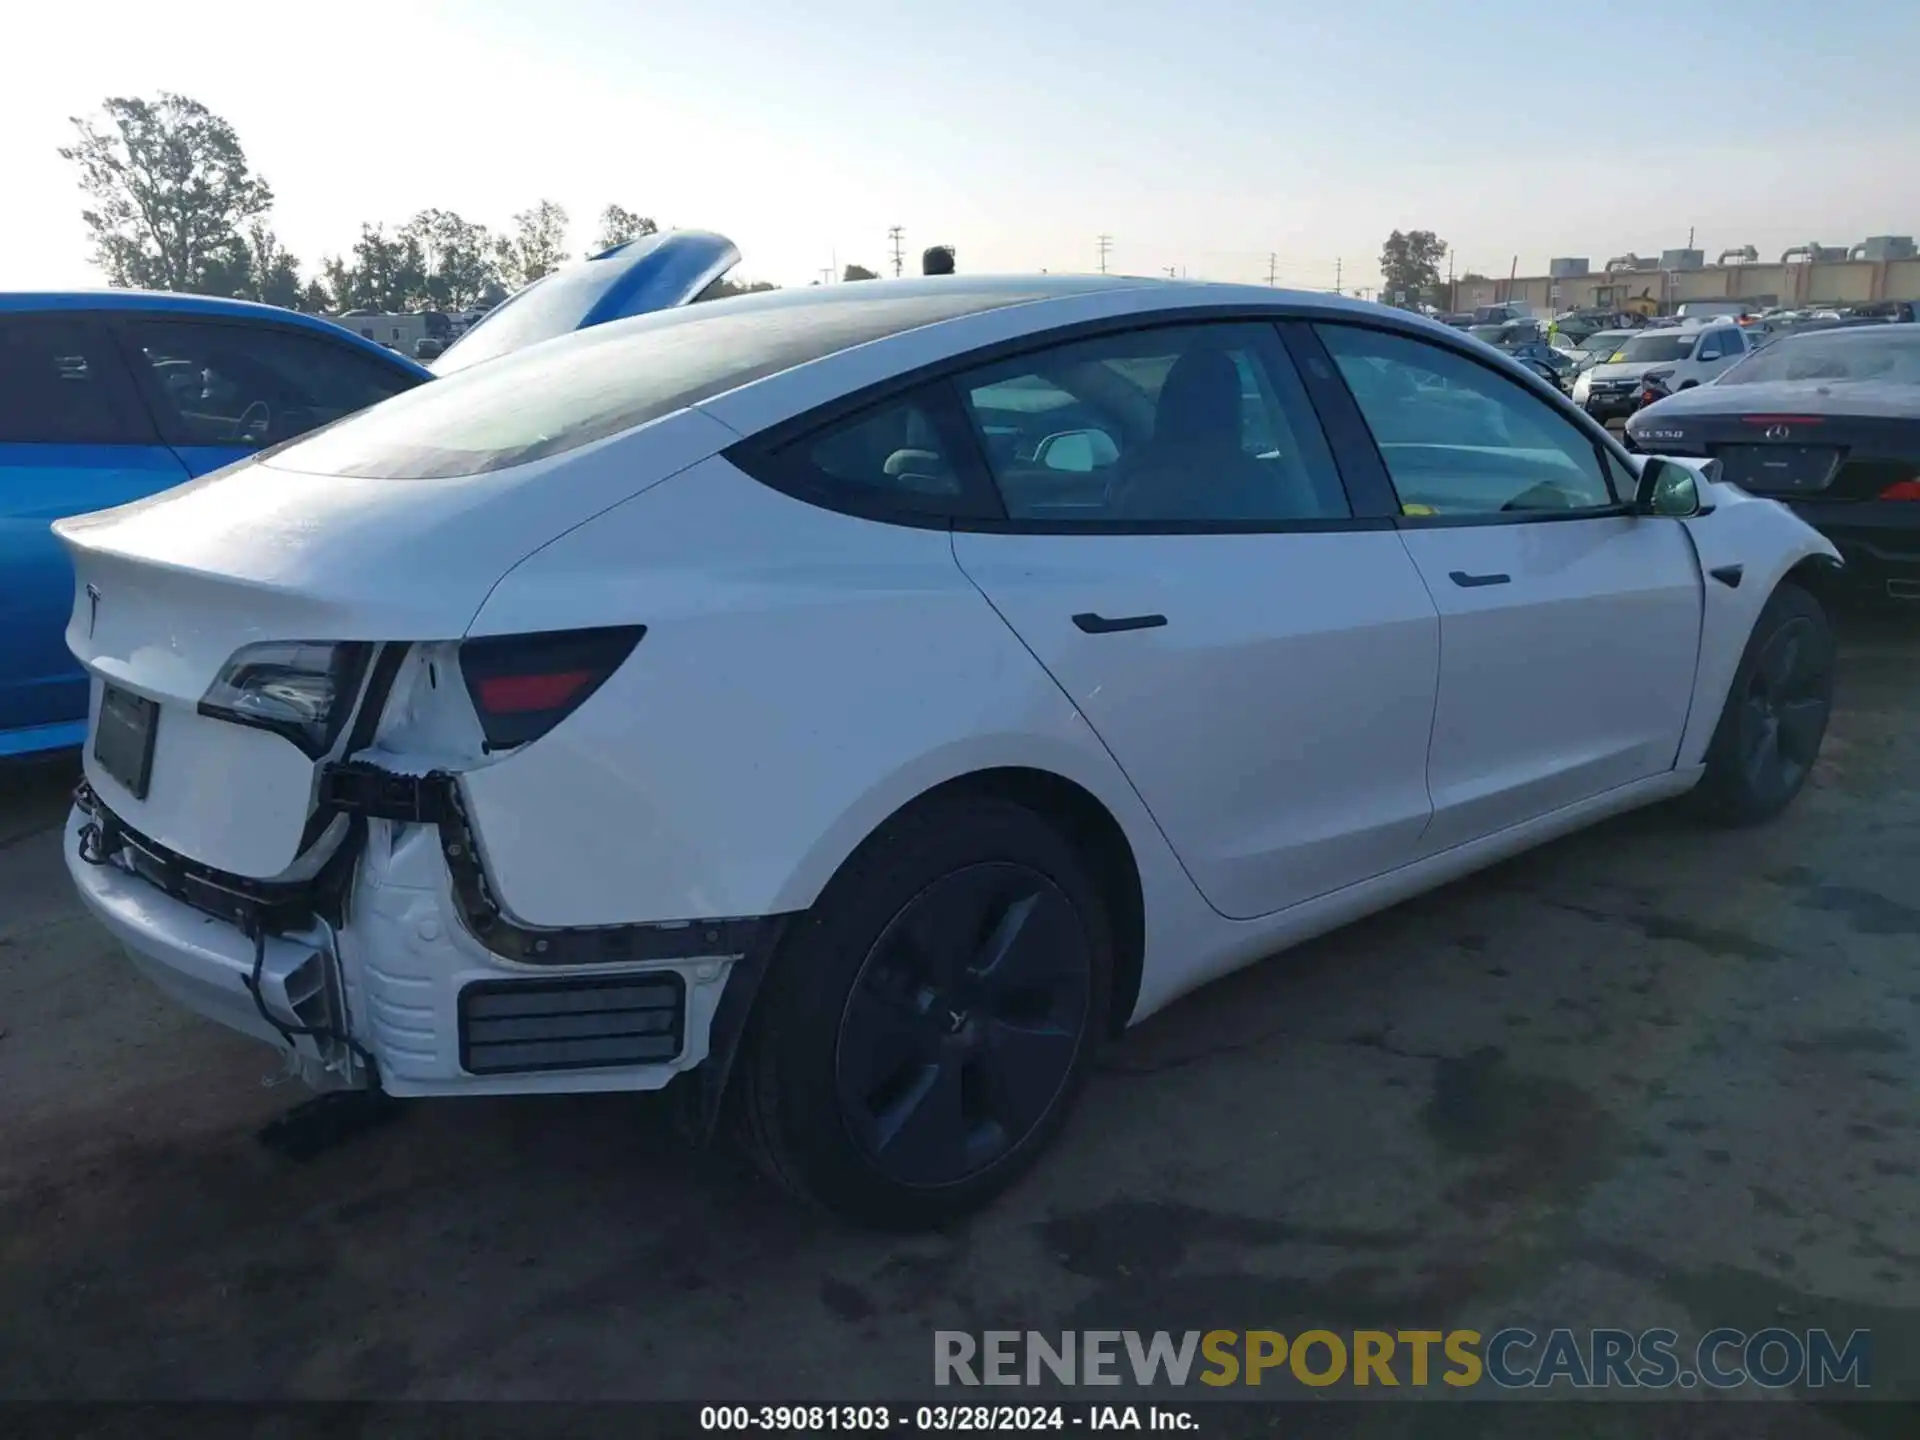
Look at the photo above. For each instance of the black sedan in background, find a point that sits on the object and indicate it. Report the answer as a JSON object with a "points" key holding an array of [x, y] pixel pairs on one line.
{"points": [[1829, 424]]}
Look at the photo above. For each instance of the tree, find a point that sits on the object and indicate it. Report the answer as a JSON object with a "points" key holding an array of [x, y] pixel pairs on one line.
{"points": [[337, 284], [271, 275], [170, 187], [388, 273], [618, 225], [457, 258], [538, 245], [314, 298], [1410, 265], [726, 285], [859, 272]]}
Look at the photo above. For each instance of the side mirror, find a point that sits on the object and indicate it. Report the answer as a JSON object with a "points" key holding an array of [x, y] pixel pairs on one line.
{"points": [[1666, 489], [1076, 451]]}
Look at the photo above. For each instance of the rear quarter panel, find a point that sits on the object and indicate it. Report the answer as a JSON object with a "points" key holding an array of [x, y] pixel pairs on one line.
{"points": [[804, 675]]}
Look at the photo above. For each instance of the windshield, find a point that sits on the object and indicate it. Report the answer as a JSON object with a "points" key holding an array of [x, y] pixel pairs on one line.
{"points": [[1836, 357], [1656, 347], [1605, 342], [1488, 333]]}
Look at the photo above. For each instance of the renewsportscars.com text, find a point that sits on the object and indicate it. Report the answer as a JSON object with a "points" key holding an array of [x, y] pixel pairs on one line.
{"points": [[1512, 1358]]}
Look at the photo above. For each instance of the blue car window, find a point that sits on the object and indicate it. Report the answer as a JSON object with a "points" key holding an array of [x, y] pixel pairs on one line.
{"points": [[55, 386], [215, 384]]}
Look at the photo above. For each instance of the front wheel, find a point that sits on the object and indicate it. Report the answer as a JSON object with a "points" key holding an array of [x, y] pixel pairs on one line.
{"points": [[924, 1031], [1776, 714]]}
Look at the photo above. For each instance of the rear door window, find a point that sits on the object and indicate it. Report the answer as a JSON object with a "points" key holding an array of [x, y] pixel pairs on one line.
{"points": [[60, 384], [1180, 425], [214, 384]]}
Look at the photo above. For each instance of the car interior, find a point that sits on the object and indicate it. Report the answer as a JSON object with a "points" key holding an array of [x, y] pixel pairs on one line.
{"points": [[236, 387], [1075, 434]]}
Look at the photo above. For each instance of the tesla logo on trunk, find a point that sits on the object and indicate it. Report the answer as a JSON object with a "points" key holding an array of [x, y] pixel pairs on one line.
{"points": [[93, 607], [1778, 432]]}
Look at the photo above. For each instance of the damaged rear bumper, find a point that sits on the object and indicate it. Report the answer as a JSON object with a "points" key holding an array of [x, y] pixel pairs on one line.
{"points": [[397, 966]]}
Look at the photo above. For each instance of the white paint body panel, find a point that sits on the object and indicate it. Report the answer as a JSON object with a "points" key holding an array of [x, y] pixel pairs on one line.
{"points": [[805, 674], [256, 553], [861, 669], [1571, 679], [1277, 725], [1767, 540]]}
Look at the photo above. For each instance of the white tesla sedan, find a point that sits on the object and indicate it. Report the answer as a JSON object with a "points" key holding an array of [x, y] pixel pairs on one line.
{"points": [[859, 701]]}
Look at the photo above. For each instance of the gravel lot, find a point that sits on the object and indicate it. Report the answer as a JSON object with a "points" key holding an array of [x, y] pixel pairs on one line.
{"points": [[1651, 1075]]}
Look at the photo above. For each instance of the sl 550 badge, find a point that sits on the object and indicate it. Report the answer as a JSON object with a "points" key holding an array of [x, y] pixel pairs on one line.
{"points": [[1664, 434]]}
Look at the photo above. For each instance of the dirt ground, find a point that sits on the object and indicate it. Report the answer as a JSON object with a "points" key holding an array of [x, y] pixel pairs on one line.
{"points": [[1651, 1075]]}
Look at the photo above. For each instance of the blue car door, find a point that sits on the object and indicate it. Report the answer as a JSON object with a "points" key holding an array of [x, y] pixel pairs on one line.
{"points": [[73, 438], [220, 390]]}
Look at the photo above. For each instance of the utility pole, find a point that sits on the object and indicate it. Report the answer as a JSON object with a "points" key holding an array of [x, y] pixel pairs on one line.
{"points": [[1453, 293], [1689, 237], [895, 233], [1273, 263], [1106, 244], [826, 274], [1172, 274], [1336, 275]]}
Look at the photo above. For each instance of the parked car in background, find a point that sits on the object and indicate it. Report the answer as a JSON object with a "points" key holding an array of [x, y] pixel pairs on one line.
{"points": [[109, 396], [1143, 628], [655, 272], [1682, 356], [1596, 349], [1827, 422]]}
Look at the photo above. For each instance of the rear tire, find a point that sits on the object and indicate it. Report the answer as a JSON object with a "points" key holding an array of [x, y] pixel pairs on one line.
{"points": [[1775, 715], [925, 1028]]}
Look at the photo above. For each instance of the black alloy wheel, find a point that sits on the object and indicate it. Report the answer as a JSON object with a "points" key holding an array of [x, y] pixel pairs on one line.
{"points": [[1776, 713], [924, 1027], [963, 1023], [1783, 715]]}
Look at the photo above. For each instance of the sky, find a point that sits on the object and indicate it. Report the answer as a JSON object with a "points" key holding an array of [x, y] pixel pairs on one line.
{"points": [[1205, 137]]}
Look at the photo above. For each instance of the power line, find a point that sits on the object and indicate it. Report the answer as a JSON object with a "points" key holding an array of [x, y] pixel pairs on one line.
{"points": [[1106, 244], [895, 233]]}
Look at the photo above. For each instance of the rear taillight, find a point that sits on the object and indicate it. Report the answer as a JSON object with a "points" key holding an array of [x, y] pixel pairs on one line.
{"points": [[524, 685], [1902, 490], [302, 689]]}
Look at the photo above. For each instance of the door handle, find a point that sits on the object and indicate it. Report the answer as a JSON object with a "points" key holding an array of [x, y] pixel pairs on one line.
{"points": [[1101, 625], [1468, 582]]}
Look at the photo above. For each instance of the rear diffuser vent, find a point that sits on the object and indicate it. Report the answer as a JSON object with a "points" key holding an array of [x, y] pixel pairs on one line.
{"points": [[583, 1023]]}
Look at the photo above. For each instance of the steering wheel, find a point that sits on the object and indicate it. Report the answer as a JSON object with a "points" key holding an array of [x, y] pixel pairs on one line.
{"points": [[254, 423]]}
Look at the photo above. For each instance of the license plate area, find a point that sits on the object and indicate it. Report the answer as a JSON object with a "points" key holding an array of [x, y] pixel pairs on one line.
{"points": [[123, 738], [1779, 469]]}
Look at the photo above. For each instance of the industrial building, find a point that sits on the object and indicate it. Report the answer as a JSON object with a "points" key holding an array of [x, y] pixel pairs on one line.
{"points": [[1883, 267]]}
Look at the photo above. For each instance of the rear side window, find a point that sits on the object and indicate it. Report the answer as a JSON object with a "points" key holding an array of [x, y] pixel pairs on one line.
{"points": [[59, 385], [252, 384], [1172, 426], [566, 393]]}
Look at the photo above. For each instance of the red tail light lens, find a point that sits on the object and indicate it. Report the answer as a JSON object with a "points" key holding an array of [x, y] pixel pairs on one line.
{"points": [[1902, 490], [524, 685]]}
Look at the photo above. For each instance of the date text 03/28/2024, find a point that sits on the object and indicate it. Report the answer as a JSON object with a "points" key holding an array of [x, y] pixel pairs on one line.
{"points": [[964, 1419]]}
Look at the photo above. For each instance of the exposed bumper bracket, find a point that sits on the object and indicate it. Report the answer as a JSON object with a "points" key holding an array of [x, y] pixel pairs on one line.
{"points": [[358, 787]]}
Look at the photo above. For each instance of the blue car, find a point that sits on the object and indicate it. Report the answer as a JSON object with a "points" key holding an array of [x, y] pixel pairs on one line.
{"points": [[109, 396]]}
